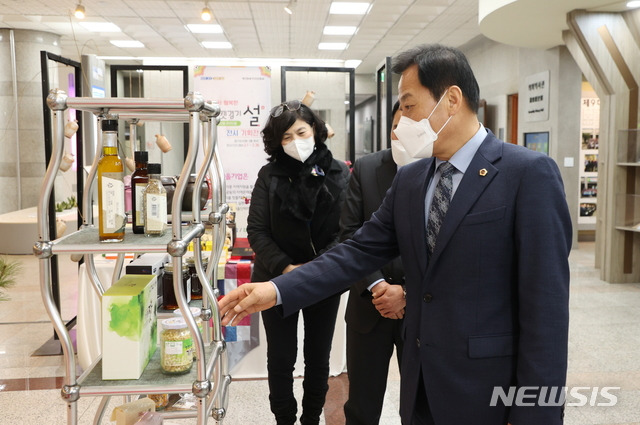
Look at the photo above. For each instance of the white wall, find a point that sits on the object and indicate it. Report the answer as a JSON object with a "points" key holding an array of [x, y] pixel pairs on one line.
{"points": [[502, 70]]}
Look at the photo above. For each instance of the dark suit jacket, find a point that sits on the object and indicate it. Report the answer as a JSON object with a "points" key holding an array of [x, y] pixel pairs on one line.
{"points": [[371, 178], [490, 308]]}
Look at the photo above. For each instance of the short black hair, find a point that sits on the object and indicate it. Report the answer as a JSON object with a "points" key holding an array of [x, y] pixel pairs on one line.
{"points": [[276, 126], [396, 106], [440, 67]]}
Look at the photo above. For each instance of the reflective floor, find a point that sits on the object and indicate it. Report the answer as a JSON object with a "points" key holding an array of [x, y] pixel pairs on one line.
{"points": [[604, 351]]}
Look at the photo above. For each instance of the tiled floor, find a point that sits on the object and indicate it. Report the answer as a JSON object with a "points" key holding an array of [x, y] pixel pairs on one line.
{"points": [[604, 351]]}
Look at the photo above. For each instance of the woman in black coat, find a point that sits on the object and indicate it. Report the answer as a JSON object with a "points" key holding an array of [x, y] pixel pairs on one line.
{"points": [[293, 218]]}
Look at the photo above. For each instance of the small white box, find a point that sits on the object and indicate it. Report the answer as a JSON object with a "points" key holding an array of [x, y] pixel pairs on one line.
{"points": [[129, 322]]}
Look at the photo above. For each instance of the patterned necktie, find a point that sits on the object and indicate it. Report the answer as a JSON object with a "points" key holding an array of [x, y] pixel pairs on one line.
{"points": [[439, 204]]}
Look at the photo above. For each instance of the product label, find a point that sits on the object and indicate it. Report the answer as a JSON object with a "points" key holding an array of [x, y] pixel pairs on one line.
{"points": [[156, 211], [173, 347], [113, 216], [138, 214]]}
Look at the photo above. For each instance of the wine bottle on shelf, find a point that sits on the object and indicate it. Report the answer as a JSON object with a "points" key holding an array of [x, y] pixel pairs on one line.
{"points": [[111, 215], [154, 203], [139, 180]]}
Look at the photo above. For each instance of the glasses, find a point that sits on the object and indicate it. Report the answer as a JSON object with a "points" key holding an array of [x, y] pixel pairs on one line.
{"points": [[292, 105]]}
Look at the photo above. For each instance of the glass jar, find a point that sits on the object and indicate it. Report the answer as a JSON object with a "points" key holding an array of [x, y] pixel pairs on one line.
{"points": [[195, 312], [176, 346], [196, 287], [168, 295]]}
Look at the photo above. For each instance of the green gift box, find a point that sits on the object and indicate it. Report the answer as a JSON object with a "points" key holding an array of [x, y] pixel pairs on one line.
{"points": [[129, 321]]}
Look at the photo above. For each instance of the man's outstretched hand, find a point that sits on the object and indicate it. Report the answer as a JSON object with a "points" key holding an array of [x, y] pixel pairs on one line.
{"points": [[246, 299]]}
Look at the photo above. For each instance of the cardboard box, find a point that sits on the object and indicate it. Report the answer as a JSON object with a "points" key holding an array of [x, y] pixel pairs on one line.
{"points": [[129, 323], [149, 263]]}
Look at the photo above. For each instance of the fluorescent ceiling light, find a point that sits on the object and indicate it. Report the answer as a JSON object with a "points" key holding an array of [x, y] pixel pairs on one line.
{"points": [[633, 4], [204, 28], [339, 30], [352, 63], [217, 45], [100, 27], [348, 8], [127, 43], [332, 46]]}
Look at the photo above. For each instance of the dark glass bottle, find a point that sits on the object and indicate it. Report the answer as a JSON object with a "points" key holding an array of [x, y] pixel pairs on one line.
{"points": [[139, 180]]}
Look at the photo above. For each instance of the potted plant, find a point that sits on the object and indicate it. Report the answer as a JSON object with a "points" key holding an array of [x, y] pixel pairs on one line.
{"points": [[9, 270]]}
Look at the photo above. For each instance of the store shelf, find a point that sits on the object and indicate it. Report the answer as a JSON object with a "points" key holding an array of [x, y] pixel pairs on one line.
{"points": [[635, 228], [152, 381], [86, 241]]}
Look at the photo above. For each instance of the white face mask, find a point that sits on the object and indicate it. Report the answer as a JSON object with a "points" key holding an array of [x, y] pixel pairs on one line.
{"points": [[300, 149], [399, 154], [418, 137]]}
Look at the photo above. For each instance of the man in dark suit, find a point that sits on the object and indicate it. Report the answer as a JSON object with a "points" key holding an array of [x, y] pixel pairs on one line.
{"points": [[376, 303], [487, 293]]}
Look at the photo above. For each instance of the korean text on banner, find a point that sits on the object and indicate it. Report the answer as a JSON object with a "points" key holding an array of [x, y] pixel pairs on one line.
{"points": [[244, 96]]}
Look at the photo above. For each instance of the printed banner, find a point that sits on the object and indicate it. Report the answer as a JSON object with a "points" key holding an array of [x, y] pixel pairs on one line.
{"points": [[244, 96]]}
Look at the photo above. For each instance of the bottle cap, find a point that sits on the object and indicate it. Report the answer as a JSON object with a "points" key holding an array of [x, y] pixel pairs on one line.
{"points": [[174, 323], [195, 311], [153, 168], [141, 156], [109, 125]]}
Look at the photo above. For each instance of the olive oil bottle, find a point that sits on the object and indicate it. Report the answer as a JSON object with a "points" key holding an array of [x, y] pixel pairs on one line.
{"points": [[111, 215]]}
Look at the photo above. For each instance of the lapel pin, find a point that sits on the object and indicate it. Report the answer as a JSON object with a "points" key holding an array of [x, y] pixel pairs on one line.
{"points": [[482, 172]]}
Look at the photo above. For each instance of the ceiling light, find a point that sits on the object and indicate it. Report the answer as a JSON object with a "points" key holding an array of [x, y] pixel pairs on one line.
{"points": [[217, 45], [338, 30], [633, 4], [204, 28], [332, 46], [352, 63], [206, 14], [79, 12], [127, 43], [100, 27], [349, 8], [290, 6]]}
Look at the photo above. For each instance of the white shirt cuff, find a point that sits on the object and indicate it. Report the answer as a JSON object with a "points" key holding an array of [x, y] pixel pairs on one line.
{"points": [[370, 287]]}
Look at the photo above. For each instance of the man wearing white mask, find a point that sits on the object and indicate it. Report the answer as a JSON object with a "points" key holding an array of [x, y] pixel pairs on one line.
{"points": [[484, 234], [376, 303], [293, 218]]}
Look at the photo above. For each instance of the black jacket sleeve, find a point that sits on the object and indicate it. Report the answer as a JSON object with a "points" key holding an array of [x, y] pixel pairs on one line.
{"points": [[352, 218], [259, 227]]}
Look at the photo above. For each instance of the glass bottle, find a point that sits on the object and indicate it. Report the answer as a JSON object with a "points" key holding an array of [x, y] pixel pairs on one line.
{"points": [[154, 203], [139, 180], [169, 300], [111, 215]]}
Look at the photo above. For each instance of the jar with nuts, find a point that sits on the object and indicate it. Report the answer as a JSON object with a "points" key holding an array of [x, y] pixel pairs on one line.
{"points": [[176, 355]]}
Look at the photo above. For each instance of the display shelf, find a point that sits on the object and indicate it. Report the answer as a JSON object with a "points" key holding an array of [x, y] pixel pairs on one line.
{"points": [[629, 147], [209, 388], [152, 380], [635, 228], [627, 212], [87, 241]]}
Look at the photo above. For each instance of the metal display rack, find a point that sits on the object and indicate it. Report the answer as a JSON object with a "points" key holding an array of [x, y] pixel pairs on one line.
{"points": [[209, 380]]}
